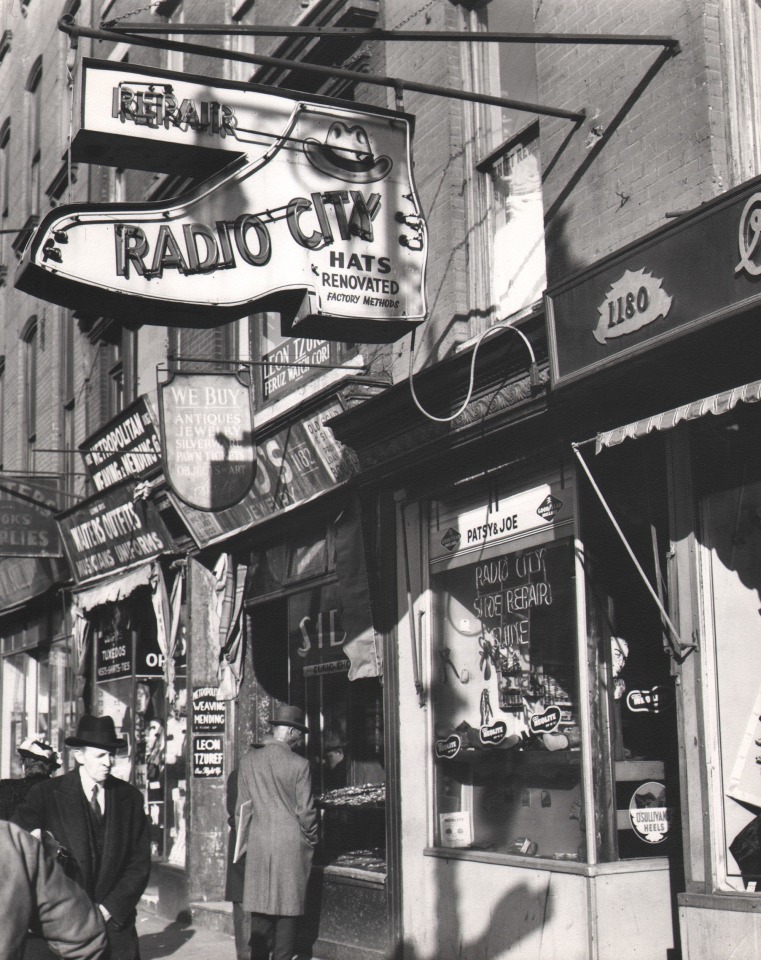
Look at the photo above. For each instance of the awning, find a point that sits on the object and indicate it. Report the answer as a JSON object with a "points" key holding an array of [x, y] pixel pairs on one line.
{"points": [[717, 404], [115, 588]]}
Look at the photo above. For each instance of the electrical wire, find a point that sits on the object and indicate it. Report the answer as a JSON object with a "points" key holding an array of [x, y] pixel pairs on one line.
{"points": [[503, 325]]}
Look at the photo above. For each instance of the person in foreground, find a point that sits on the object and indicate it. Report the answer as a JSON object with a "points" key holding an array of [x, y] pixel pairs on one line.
{"points": [[35, 892], [99, 830], [282, 835]]}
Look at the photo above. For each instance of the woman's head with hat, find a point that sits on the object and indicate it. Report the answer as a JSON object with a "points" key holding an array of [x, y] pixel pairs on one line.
{"points": [[37, 755], [95, 744]]}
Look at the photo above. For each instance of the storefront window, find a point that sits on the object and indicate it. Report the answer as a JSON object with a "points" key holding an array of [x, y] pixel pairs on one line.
{"points": [[37, 698], [632, 692], [731, 573], [310, 667], [505, 702], [130, 687]]}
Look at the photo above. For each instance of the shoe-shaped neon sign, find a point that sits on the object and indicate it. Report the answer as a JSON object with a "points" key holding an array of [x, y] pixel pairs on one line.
{"points": [[311, 211]]}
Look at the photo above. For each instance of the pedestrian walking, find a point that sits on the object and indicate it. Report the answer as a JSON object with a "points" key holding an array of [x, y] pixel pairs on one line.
{"points": [[38, 761], [35, 892], [235, 876], [99, 827], [282, 834]]}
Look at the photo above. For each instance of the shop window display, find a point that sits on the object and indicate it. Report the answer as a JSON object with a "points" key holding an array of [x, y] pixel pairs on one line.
{"points": [[37, 697], [732, 568], [345, 717], [634, 702], [153, 723], [505, 703]]}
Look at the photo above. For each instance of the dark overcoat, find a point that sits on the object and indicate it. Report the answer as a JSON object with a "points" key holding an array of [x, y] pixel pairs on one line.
{"points": [[59, 806], [283, 829], [34, 891]]}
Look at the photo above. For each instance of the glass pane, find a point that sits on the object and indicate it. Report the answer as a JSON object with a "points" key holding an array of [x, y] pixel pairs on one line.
{"points": [[17, 721], [345, 745], [505, 705], [511, 67], [518, 262], [733, 535]]}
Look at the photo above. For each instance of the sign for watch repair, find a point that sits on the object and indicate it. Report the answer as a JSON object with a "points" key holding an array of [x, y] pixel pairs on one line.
{"points": [[310, 209]]}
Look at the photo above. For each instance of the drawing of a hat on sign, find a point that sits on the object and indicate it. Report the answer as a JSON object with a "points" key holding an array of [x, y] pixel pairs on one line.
{"points": [[347, 155]]}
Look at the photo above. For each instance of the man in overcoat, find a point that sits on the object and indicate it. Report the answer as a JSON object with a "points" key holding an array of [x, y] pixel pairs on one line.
{"points": [[282, 835], [98, 824], [35, 892]]}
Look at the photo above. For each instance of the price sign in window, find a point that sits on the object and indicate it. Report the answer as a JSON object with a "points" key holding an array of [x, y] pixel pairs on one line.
{"points": [[507, 741]]}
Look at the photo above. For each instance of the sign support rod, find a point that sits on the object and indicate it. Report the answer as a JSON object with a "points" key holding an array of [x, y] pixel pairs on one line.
{"points": [[373, 33], [67, 25]]}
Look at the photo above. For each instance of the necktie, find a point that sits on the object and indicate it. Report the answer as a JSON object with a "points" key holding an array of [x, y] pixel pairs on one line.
{"points": [[95, 806]]}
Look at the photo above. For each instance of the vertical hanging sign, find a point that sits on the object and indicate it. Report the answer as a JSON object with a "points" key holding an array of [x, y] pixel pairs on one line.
{"points": [[207, 438]]}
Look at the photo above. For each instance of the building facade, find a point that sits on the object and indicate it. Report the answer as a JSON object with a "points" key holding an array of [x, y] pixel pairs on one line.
{"points": [[527, 660]]}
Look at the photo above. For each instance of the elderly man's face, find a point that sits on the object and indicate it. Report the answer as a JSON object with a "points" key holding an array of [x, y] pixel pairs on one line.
{"points": [[97, 762]]}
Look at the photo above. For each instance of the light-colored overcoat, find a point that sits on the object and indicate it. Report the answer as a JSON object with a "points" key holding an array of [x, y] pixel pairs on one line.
{"points": [[283, 829]]}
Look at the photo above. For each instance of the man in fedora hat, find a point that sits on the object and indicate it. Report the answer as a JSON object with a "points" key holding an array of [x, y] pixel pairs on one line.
{"points": [[282, 834], [97, 826]]}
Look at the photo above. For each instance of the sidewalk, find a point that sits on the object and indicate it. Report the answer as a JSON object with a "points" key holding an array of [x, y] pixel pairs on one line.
{"points": [[160, 937]]}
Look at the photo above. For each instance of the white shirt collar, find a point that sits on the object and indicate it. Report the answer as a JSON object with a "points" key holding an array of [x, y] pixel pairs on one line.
{"points": [[88, 783]]}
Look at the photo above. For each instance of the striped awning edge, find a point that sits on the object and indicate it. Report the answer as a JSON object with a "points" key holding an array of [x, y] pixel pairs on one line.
{"points": [[717, 404]]}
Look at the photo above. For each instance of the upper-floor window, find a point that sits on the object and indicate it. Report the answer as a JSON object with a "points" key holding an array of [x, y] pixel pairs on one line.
{"points": [[740, 24], [5, 185], [242, 15], [34, 121], [5, 174], [30, 338], [175, 15], [507, 199], [2, 412], [115, 380]]}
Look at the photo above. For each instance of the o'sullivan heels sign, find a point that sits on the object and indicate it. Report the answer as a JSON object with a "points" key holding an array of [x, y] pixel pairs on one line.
{"points": [[308, 208]]}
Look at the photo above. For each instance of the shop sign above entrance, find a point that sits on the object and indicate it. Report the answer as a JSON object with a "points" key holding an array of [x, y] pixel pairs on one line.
{"points": [[311, 211], [293, 465], [128, 446], [703, 268], [110, 532], [27, 517], [207, 434]]}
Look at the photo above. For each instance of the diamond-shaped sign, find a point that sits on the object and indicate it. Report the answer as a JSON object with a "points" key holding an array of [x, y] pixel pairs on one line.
{"points": [[451, 539], [549, 508]]}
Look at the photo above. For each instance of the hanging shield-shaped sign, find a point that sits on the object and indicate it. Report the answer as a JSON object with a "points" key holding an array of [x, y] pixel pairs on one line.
{"points": [[207, 438]]}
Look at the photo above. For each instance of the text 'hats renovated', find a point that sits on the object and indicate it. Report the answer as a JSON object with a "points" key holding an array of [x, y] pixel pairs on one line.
{"points": [[287, 715], [96, 732]]}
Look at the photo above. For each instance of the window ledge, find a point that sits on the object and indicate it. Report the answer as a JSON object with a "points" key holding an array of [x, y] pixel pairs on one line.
{"points": [[731, 900], [5, 43], [650, 865], [25, 235]]}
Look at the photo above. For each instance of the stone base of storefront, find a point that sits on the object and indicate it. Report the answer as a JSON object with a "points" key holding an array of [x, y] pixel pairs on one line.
{"points": [[346, 917]]}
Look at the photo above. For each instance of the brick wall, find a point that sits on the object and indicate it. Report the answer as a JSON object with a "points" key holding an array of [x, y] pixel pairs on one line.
{"points": [[647, 146]]}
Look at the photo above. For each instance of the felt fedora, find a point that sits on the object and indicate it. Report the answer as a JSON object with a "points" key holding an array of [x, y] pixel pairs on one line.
{"points": [[96, 732], [286, 715]]}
